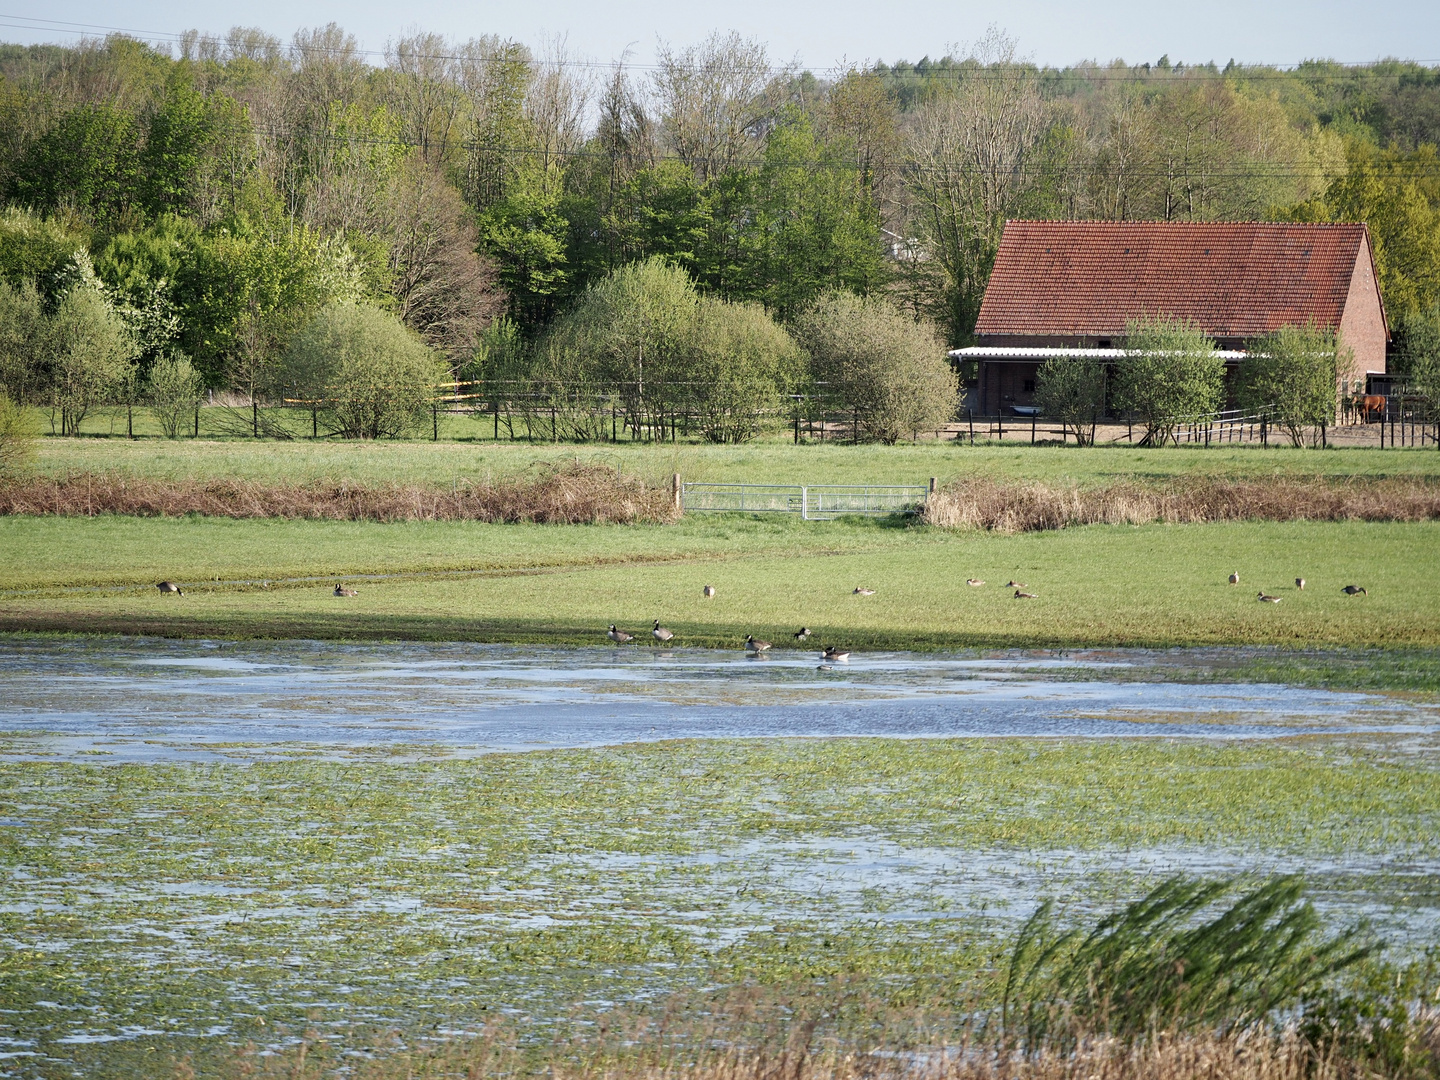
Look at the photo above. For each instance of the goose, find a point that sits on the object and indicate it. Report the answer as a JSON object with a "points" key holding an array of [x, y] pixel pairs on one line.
{"points": [[1235, 578], [974, 582], [1265, 598], [660, 633], [1013, 584], [341, 590], [836, 654], [709, 591], [1299, 583], [757, 647], [1354, 590], [862, 591], [618, 636], [802, 633], [1020, 594], [169, 587]]}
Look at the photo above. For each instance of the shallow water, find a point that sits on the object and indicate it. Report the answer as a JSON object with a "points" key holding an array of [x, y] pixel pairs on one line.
{"points": [[138, 700]]}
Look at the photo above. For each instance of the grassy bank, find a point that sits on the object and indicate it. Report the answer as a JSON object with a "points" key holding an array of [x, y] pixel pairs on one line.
{"points": [[1153, 585], [363, 896], [771, 462]]}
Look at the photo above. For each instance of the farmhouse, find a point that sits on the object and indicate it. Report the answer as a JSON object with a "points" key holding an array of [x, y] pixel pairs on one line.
{"points": [[1062, 286]]}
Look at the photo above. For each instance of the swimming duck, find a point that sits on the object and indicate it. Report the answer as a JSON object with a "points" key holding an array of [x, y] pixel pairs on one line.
{"points": [[659, 633], [170, 587], [752, 645], [836, 655], [619, 636]]}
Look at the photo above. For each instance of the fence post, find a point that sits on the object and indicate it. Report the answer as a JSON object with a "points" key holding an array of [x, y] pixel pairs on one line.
{"points": [[129, 420], [970, 414], [314, 421], [254, 417], [804, 503], [197, 420], [1033, 420], [435, 420], [675, 490], [857, 427], [931, 493]]}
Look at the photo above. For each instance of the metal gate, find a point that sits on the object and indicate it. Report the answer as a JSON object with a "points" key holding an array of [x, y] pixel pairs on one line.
{"points": [[813, 502]]}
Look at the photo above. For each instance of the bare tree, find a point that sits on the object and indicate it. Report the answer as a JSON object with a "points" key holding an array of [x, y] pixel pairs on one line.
{"points": [[423, 92], [716, 100], [970, 152]]}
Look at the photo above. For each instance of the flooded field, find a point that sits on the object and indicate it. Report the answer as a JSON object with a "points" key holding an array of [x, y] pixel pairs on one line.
{"points": [[151, 700], [207, 845]]}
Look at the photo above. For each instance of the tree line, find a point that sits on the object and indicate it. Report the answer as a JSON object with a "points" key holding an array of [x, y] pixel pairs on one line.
{"points": [[190, 219]]}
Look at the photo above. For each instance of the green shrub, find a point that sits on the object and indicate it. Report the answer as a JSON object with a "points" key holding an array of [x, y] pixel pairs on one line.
{"points": [[18, 436], [1290, 374], [89, 355], [175, 391], [889, 368], [1169, 374], [740, 363], [1072, 390], [368, 372]]}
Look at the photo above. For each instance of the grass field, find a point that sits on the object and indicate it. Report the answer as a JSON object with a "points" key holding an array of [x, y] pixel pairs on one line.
{"points": [[1097, 585], [772, 462], [172, 907]]}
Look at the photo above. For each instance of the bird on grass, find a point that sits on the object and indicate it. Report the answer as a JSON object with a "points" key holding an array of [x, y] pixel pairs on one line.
{"points": [[754, 646], [709, 591], [974, 582], [860, 590], [619, 636], [1021, 594], [1235, 578], [1266, 598], [170, 587], [659, 633], [802, 633], [1013, 584], [341, 590], [1299, 583], [1354, 590]]}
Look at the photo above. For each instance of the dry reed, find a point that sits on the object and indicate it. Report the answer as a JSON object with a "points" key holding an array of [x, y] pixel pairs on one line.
{"points": [[578, 494], [1018, 506]]}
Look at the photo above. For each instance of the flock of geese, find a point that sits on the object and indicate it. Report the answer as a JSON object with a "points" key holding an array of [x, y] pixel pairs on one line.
{"points": [[754, 646], [1268, 598]]}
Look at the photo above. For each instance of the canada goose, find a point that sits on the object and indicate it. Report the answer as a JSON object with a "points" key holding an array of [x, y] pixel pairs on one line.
{"points": [[974, 582], [709, 591], [1020, 594], [751, 645], [1264, 598], [340, 590], [660, 633], [1354, 590], [861, 591], [1235, 578], [1299, 583], [802, 633], [169, 587], [619, 636], [835, 654], [1013, 584]]}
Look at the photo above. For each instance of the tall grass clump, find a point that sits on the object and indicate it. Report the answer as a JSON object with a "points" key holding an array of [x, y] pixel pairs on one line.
{"points": [[1172, 962]]}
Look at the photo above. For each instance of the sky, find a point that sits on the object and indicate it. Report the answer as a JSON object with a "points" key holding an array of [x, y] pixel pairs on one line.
{"points": [[820, 34]]}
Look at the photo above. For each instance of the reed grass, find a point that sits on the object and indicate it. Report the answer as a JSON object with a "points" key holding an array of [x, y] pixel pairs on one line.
{"points": [[568, 494], [1017, 506]]}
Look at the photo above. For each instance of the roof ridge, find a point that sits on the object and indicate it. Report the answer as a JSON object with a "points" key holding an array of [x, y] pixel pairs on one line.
{"points": [[1189, 224]]}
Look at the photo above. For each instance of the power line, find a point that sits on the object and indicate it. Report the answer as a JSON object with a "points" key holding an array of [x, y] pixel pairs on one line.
{"points": [[1246, 72]]}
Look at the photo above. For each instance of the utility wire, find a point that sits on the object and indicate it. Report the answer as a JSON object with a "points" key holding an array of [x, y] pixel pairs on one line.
{"points": [[1246, 72]]}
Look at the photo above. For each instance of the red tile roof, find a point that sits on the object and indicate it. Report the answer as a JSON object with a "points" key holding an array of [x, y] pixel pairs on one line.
{"points": [[1236, 279]]}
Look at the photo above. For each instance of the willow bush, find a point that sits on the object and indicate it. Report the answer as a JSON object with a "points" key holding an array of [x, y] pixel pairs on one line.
{"points": [[889, 368], [1290, 374], [370, 375], [1169, 374]]}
